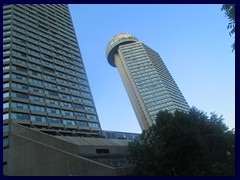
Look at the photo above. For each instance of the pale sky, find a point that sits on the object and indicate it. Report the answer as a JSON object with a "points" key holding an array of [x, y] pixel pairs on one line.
{"points": [[193, 41]]}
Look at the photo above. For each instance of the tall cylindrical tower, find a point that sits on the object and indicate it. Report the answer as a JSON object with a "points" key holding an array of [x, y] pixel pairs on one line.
{"points": [[147, 80]]}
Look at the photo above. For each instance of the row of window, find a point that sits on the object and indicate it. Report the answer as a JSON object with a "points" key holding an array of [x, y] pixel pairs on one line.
{"points": [[59, 38], [39, 67], [52, 15], [151, 89], [156, 93], [135, 61], [38, 118], [161, 101], [157, 97], [139, 53], [62, 49], [143, 79], [37, 17], [145, 74], [50, 64], [139, 64], [58, 33], [148, 90], [60, 29], [142, 71], [48, 84], [34, 38], [48, 92], [162, 107], [40, 90], [49, 101], [130, 47], [32, 107]]}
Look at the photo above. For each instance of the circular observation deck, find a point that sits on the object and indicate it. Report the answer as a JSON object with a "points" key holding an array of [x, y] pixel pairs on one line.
{"points": [[114, 43]]}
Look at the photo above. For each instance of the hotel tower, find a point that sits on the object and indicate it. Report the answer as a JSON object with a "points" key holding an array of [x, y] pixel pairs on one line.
{"points": [[147, 80]]}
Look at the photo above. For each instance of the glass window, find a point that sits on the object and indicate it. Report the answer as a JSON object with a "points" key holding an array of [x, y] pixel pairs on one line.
{"points": [[5, 141], [66, 104], [22, 61], [82, 123], [20, 95], [81, 115], [5, 76], [84, 87], [64, 88], [53, 93], [36, 98], [60, 73], [90, 116], [5, 85], [62, 81], [75, 91], [93, 125], [5, 68], [75, 98], [48, 77], [5, 116], [19, 68], [37, 108], [19, 105], [78, 106], [87, 108], [5, 128], [67, 113], [54, 120], [35, 59], [35, 89], [51, 85], [66, 96], [87, 101], [38, 118], [35, 81], [18, 76], [20, 116], [35, 73], [86, 94], [68, 122], [6, 105], [53, 110], [6, 95], [52, 101], [19, 86], [82, 80]]}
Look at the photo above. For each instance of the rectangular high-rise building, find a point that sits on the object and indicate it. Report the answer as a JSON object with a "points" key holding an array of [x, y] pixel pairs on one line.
{"points": [[147, 80], [45, 85]]}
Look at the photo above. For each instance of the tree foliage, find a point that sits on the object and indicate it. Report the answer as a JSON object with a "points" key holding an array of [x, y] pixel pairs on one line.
{"points": [[229, 10], [185, 144]]}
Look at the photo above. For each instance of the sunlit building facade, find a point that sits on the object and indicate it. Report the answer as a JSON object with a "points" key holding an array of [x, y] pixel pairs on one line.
{"points": [[45, 85], [147, 80]]}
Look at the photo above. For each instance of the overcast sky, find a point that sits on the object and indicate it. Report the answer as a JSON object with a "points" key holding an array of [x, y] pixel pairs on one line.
{"points": [[192, 40]]}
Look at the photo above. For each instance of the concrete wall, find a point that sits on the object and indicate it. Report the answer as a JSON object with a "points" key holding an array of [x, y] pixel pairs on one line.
{"points": [[36, 159], [32, 153]]}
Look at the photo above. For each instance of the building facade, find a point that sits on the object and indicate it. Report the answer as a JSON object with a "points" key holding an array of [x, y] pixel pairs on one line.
{"points": [[147, 80], [45, 85], [120, 135]]}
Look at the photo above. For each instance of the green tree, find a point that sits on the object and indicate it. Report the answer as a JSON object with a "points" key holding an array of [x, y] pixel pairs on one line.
{"points": [[184, 144], [229, 10]]}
